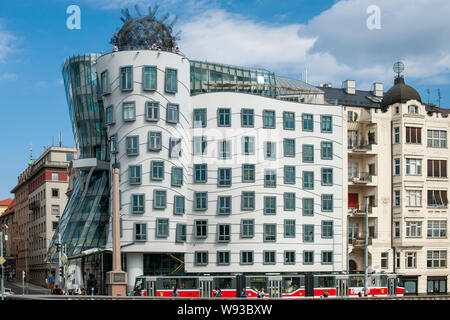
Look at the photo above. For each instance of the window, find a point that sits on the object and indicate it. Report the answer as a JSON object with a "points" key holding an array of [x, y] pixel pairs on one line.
{"points": [[289, 257], [270, 205], [289, 228], [289, 147], [223, 258], [397, 198], [397, 166], [326, 150], [248, 145], [308, 180], [200, 201], [308, 257], [327, 257], [413, 135], [248, 173], [327, 229], [308, 153], [224, 177], [396, 135], [247, 228], [437, 138], [224, 204], [269, 257], [174, 148], [55, 176], [140, 231], [289, 201], [307, 122], [397, 229], [327, 176], [437, 198], [327, 202], [200, 173], [289, 174], [157, 170], [172, 113], [437, 168], [437, 229], [288, 120], [352, 116], [109, 115], [413, 166], [199, 118], [352, 139], [247, 118], [134, 174], [162, 228], [269, 119], [154, 140], [149, 78], [201, 228], [308, 233], [177, 176], [384, 260], [132, 145], [270, 232], [308, 206], [159, 199], [270, 150], [224, 147], [55, 193], [178, 204], [326, 124], [113, 143], [246, 257], [413, 109], [126, 78], [201, 258], [414, 198], [105, 83], [223, 232], [137, 203], [397, 259], [223, 117], [200, 143], [55, 209], [411, 259], [270, 178], [129, 111], [181, 232], [436, 259], [54, 225], [171, 80], [413, 229], [248, 200], [151, 111]]}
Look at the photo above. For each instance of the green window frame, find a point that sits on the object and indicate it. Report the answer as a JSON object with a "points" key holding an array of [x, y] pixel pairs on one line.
{"points": [[289, 174], [140, 231], [247, 228], [200, 118], [224, 204], [178, 204], [180, 232], [135, 174], [159, 199], [149, 78], [308, 180], [308, 206], [289, 148], [326, 124], [162, 228], [248, 200], [177, 177], [171, 79], [270, 178], [289, 228], [247, 118], [289, 201], [308, 153], [137, 203], [224, 177], [270, 232], [126, 78], [308, 233], [200, 173], [157, 170], [326, 150], [327, 229], [307, 122], [270, 205], [269, 119], [200, 201], [248, 173], [327, 202], [327, 176], [288, 120], [224, 117]]}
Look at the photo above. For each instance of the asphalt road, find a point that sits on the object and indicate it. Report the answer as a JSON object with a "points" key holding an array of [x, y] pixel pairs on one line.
{"points": [[17, 288]]}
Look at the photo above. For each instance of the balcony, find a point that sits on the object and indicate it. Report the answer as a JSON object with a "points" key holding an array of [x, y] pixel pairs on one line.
{"points": [[361, 211], [361, 147], [361, 242], [361, 178], [34, 204]]}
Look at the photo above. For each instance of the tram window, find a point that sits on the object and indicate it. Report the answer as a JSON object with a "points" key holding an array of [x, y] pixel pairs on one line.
{"points": [[257, 283], [324, 282], [166, 284], [292, 284], [357, 281], [188, 283], [224, 283]]}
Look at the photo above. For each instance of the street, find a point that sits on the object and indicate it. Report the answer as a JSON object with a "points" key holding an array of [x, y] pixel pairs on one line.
{"points": [[17, 288]]}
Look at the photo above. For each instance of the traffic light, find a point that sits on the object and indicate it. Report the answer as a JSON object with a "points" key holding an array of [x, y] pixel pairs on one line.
{"points": [[61, 271]]}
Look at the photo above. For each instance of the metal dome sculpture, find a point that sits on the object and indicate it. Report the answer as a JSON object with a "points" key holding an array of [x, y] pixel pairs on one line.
{"points": [[144, 31]]}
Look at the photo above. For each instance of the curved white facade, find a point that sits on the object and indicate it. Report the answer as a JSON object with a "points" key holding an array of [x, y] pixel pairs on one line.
{"points": [[269, 207]]}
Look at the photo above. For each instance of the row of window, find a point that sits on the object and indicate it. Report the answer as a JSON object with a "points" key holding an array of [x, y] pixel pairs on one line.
{"points": [[247, 230], [152, 112], [224, 147], [224, 203], [435, 259], [435, 138], [435, 168], [224, 175], [435, 229], [149, 79], [435, 198]]}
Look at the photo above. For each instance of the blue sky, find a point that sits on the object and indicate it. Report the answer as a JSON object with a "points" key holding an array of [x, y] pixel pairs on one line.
{"points": [[328, 37]]}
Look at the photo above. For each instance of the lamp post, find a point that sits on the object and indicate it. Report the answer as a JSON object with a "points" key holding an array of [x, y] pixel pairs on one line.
{"points": [[366, 246]]}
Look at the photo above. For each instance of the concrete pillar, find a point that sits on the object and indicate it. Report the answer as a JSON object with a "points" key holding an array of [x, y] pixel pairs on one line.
{"points": [[135, 268]]}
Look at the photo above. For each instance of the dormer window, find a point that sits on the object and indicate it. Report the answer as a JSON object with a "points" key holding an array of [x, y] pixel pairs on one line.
{"points": [[413, 109], [352, 116]]}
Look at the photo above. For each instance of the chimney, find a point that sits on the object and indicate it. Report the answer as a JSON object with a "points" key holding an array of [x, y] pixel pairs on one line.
{"points": [[377, 89], [350, 86]]}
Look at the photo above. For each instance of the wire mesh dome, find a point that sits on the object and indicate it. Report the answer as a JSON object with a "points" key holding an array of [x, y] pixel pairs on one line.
{"points": [[143, 31]]}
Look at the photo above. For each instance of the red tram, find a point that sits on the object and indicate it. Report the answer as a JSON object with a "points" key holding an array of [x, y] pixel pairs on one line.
{"points": [[274, 286]]}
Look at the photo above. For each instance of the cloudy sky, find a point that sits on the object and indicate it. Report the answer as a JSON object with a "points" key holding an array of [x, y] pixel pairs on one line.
{"points": [[333, 40]]}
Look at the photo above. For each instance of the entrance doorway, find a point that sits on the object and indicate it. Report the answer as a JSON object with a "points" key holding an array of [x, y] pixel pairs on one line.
{"points": [[352, 266]]}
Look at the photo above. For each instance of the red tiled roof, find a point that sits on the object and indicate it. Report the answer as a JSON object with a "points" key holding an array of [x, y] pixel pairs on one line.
{"points": [[6, 202], [10, 209]]}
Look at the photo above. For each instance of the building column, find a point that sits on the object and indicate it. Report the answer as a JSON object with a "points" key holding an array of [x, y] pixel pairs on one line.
{"points": [[135, 268]]}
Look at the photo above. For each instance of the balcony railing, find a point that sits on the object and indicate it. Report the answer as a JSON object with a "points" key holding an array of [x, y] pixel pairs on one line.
{"points": [[362, 146], [361, 242], [361, 178], [34, 204], [361, 211]]}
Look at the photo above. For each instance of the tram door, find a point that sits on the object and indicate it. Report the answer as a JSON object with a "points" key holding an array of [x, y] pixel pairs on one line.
{"points": [[205, 286], [274, 287], [150, 284], [391, 284], [341, 286]]}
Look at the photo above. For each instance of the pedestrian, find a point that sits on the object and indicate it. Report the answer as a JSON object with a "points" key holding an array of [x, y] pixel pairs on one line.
{"points": [[174, 291], [91, 284], [325, 293], [116, 48], [244, 293], [138, 290]]}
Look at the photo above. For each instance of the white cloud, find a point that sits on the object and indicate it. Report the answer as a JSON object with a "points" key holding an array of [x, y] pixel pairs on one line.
{"points": [[8, 76], [7, 41]]}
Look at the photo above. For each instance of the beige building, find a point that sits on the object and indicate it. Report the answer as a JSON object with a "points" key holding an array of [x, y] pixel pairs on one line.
{"points": [[397, 158]]}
